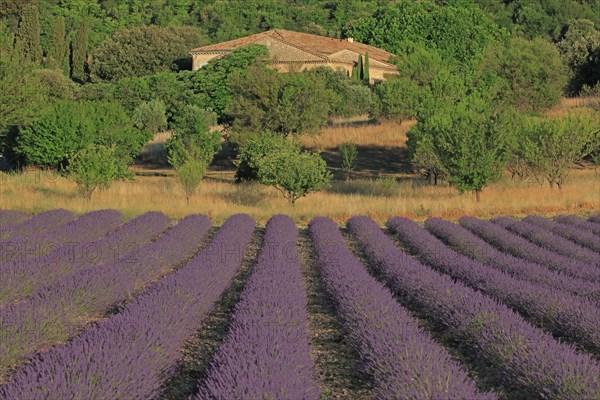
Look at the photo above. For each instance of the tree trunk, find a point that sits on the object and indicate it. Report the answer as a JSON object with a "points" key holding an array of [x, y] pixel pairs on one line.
{"points": [[478, 195], [435, 179]]}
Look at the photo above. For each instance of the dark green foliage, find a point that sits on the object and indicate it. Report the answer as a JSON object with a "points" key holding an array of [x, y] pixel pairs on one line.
{"points": [[79, 47], [459, 33], [59, 49], [366, 73], [144, 51], [289, 104], [532, 72], [347, 97], [96, 166], [67, 127], [580, 49], [212, 83], [192, 137], [360, 73], [28, 34]]}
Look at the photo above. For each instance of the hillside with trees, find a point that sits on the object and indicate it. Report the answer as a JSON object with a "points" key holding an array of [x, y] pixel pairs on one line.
{"points": [[104, 76]]}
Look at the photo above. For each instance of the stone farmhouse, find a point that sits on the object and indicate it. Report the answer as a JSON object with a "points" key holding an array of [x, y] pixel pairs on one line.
{"points": [[296, 51]]}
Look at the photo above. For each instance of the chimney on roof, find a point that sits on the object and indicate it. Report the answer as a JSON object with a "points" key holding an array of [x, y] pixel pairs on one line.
{"points": [[350, 40]]}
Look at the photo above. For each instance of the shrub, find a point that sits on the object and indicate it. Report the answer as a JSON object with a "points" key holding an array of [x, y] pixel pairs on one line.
{"points": [[348, 151], [96, 166], [151, 116]]}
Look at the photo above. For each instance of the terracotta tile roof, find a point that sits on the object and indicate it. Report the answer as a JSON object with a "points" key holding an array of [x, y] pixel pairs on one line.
{"points": [[318, 45]]}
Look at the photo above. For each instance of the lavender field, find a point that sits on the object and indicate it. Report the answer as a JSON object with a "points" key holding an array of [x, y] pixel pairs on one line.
{"points": [[93, 307]]}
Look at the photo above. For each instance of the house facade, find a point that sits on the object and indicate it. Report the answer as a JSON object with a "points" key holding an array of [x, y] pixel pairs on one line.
{"points": [[296, 51]]}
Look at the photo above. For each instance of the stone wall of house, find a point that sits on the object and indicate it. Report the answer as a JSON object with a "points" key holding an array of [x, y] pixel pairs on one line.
{"points": [[200, 60]]}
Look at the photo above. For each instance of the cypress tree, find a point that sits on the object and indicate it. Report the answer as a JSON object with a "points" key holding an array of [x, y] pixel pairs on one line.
{"points": [[366, 74], [360, 72], [28, 43], [79, 53], [354, 73], [57, 55]]}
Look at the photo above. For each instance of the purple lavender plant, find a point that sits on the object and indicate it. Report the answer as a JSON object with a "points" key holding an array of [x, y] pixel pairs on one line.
{"points": [[595, 218], [21, 280], [37, 224], [89, 227], [467, 243], [520, 247], [130, 355], [265, 354], [573, 220], [554, 310], [548, 240], [11, 217], [403, 361], [58, 311], [526, 361], [585, 239]]}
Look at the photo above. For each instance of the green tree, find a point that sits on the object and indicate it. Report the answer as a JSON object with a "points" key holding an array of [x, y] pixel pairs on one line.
{"points": [[212, 83], [348, 151], [424, 156], [293, 172], [580, 48], [28, 34], [68, 126], [290, 104], [251, 152], [360, 73], [552, 146], [145, 51], [460, 33], [366, 73], [21, 93], [532, 72], [192, 146], [79, 47], [151, 116], [96, 166], [57, 55], [469, 143]]}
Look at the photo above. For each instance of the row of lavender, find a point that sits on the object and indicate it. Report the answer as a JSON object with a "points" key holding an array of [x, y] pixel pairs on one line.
{"points": [[561, 313], [265, 354], [403, 361], [58, 311], [525, 360], [21, 279], [129, 355]]}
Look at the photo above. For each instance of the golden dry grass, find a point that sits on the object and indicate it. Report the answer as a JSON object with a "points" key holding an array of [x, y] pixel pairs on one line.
{"points": [[219, 198], [383, 134]]}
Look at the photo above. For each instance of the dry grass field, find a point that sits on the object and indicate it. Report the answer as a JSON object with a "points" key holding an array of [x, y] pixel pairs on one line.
{"points": [[382, 152], [219, 198]]}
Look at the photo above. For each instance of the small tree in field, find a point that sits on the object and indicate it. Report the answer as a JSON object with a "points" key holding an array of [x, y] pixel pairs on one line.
{"points": [[553, 145], [348, 151], [294, 173], [96, 166], [469, 143], [192, 147]]}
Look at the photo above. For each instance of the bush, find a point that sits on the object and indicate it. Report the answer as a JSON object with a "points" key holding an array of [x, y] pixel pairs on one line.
{"points": [[144, 51], [151, 116], [348, 151], [67, 127], [96, 166], [275, 161], [192, 146], [289, 104], [251, 152]]}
